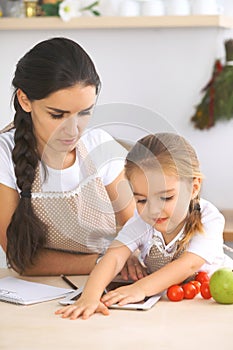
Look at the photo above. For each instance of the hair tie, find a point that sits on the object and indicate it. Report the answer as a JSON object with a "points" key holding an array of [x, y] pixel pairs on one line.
{"points": [[197, 207], [25, 194]]}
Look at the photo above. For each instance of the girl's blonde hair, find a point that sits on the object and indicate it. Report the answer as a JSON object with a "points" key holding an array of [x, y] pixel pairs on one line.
{"points": [[175, 156]]}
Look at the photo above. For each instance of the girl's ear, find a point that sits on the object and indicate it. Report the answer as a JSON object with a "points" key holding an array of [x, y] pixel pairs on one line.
{"points": [[24, 101], [196, 187]]}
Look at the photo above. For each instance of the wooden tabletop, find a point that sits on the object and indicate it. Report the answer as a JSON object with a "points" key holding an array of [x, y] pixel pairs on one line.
{"points": [[189, 324]]}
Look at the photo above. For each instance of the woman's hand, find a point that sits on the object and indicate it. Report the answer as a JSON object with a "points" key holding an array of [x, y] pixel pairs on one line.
{"points": [[83, 308], [133, 269], [124, 295]]}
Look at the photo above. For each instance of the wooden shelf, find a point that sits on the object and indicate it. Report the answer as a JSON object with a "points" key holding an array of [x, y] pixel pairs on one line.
{"points": [[45, 23]]}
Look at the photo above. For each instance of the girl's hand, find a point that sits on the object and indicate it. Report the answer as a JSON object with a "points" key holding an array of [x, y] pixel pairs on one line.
{"points": [[124, 295], [82, 308], [133, 269]]}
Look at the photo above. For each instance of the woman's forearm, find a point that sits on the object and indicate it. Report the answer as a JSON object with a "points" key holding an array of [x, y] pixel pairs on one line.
{"points": [[53, 263]]}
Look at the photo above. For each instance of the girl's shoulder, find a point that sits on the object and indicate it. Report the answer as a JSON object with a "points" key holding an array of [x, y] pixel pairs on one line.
{"points": [[209, 211]]}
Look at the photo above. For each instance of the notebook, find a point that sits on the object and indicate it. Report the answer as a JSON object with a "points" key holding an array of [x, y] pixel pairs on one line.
{"points": [[18, 291], [145, 304]]}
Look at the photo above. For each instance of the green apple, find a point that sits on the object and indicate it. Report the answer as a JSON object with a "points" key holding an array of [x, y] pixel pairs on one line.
{"points": [[221, 286]]}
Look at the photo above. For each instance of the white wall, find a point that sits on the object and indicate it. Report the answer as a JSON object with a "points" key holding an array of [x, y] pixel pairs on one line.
{"points": [[159, 69]]}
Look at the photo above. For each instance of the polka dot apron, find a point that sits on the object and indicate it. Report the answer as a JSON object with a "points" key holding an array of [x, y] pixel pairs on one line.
{"points": [[158, 256], [81, 220]]}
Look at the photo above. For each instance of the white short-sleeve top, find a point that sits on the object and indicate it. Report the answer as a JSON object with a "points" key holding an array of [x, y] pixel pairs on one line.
{"points": [[137, 234], [107, 155]]}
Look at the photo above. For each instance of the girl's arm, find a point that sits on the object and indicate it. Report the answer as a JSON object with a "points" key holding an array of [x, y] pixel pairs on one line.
{"points": [[173, 273], [89, 302], [123, 203]]}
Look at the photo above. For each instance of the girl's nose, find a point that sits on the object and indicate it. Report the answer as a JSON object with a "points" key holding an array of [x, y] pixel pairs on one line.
{"points": [[154, 209]]}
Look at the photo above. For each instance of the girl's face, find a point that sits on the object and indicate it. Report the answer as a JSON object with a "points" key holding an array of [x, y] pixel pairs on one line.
{"points": [[163, 200], [59, 119]]}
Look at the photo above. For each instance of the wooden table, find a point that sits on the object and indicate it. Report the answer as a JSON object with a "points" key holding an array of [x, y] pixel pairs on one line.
{"points": [[189, 324], [228, 230]]}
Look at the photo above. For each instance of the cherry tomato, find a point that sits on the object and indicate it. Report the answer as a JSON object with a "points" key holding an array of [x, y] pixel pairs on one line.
{"points": [[189, 290], [202, 276], [205, 290], [175, 293], [197, 286]]}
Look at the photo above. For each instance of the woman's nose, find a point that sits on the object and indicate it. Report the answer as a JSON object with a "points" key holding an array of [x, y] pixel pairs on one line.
{"points": [[70, 126]]}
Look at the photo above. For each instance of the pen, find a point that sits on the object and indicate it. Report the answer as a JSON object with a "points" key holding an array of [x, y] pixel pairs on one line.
{"points": [[71, 284]]}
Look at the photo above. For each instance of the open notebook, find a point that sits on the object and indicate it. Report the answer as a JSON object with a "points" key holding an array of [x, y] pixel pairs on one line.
{"points": [[145, 304], [18, 291]]}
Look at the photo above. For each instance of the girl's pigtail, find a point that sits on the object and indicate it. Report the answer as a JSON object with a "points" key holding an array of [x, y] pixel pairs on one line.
{"points": [[26, 233], [193, 223]]}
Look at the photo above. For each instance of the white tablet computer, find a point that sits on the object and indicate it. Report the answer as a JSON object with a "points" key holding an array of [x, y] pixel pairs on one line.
{"points": [[145, 304]]}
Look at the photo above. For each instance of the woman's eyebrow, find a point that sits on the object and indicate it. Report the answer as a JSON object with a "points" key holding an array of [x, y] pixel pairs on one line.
{"points": [[57, 110], [64, 111]]}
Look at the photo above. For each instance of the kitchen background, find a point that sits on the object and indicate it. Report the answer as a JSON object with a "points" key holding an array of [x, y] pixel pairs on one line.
{"points": [[152, 80]]}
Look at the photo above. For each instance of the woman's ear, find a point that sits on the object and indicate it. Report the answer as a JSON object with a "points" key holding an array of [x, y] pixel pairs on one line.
{"points": [[196, 187], [24, 101]]}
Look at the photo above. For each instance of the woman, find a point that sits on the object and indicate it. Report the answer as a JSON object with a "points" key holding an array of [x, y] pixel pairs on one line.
{"points": [[60, 203]]}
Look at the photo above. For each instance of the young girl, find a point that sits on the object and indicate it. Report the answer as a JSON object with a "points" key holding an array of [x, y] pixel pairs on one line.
{"points": [[177, 233]]}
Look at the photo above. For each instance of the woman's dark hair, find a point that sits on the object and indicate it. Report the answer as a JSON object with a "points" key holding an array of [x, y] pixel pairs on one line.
{"points": [[51, 65]]}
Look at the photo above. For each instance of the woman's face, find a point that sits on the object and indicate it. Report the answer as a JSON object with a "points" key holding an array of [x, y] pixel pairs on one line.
{"points": [[59, 119]]}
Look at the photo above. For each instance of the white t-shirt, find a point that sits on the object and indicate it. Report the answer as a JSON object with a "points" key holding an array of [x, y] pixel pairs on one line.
{"points": [[107, 155], [137, 234]]}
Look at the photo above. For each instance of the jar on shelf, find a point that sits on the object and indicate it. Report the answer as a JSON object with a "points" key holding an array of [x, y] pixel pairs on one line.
{"points": [[178, 7], [14, 8], [207, 7], [30, 7], [129, 8], [153, 8]]}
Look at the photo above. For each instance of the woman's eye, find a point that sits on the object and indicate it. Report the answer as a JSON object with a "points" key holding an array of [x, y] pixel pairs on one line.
{"points": [[57, 116], [84, 113]]}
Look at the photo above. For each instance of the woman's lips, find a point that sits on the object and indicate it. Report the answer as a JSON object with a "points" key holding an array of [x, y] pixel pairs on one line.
{"points": [[68, 141]]}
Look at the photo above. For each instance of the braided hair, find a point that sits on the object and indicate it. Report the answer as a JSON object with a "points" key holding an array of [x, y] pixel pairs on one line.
{"points": [[175, 156], [51, 65]]}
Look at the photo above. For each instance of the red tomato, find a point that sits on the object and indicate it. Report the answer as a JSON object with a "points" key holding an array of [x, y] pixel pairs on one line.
{"points": [[205, 290], [189, 290], [197, 286], [202, 276], [175, 293]]}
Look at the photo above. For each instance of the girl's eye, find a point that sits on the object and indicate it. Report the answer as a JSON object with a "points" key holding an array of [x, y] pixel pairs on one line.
{"points": [[141, 201], [166, 199]]}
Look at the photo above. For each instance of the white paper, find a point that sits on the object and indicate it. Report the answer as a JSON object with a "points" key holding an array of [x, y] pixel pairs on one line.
{"points": [[23, 292]]}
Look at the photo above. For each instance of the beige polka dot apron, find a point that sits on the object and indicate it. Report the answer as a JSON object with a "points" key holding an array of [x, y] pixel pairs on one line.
{"points": [[158, 256], [82, 220]]}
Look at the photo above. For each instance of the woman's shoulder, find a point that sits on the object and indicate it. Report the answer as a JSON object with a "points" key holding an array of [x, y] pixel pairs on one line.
{"points": [[96, 137], [7, 140]]}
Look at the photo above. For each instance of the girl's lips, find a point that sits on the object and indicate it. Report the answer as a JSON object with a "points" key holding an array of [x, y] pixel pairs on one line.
{"points": [[160, 220]]}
